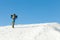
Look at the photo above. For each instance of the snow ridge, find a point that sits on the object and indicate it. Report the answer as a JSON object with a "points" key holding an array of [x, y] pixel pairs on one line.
{"points": [[44, 31]]}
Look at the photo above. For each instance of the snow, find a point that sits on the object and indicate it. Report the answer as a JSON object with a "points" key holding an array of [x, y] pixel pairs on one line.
{"points": [[43, 31]]}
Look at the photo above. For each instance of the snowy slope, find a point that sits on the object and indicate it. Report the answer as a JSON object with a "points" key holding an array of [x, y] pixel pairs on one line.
{"points": [[44, 31]]}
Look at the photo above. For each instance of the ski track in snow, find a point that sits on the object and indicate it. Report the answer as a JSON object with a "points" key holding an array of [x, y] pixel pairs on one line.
{"points": [[46, 31]]}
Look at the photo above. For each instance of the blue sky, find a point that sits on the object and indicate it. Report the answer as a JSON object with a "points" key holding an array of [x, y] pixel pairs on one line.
{"points": [[29, 11]]}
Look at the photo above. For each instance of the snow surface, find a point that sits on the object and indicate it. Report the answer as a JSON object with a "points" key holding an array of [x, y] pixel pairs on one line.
{"points": [[44, 31]]}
